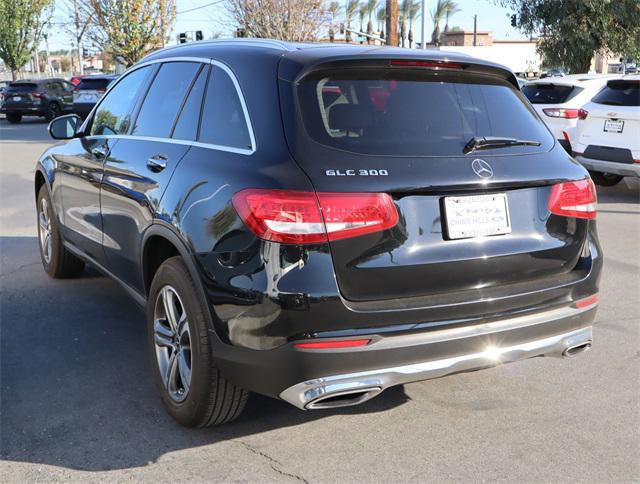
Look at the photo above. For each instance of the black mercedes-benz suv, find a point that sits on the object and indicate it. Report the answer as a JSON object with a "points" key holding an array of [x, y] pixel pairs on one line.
{"points": [[318, 223]]}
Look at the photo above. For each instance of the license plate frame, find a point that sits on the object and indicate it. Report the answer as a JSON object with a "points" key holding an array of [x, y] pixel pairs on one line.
{"points": [[613, 126], [16, 98], [472, 216]]}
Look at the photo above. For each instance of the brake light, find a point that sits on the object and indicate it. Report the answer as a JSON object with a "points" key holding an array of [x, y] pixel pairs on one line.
{"points": [[582, 114], [420, 63], [573, 199], [561, 113], [37, 94], [325, 345], [306, 217]]}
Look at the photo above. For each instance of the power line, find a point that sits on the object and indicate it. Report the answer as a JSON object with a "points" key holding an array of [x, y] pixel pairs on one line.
{"points": [[200, 7]]}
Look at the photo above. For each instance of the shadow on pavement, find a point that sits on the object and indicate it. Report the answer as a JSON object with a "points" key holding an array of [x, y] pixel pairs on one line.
{"points": [[76, 387]]}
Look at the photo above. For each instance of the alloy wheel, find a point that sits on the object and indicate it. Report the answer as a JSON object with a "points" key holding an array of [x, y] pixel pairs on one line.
{"points": [[44, 229], [172, 343]]}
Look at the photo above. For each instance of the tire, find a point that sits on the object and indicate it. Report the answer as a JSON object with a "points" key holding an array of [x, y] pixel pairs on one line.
{"points": [[53, 111], [185, 355], [57, 261], [605, 179], [14, 118]]}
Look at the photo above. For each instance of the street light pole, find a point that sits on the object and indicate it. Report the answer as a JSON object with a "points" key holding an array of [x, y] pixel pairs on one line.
{"points": [[424, 24]]}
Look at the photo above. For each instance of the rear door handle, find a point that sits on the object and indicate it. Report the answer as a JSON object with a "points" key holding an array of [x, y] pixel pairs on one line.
{"points": [[100, 151], [157, 163]]}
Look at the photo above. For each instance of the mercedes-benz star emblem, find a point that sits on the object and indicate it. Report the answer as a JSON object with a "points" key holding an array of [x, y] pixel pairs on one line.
{"points": [[482, 168]]}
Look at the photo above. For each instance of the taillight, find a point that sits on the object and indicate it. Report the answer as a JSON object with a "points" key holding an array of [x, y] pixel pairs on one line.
{"points": [[573, 199], [561, 113], [37, 94], [582, 114], [306, 217], [421, 63]]}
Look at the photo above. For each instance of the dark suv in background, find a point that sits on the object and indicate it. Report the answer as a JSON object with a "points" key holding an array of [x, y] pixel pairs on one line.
{"points": [[48, 98], [318, 223], [89, 91]]}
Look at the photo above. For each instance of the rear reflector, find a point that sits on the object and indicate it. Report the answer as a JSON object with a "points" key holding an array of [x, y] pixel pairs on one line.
{"points": [[561, 113], [587, 301], [327, 345], [419, 63], [573, 199], [307, 218], [582, 114], [565, 135]]}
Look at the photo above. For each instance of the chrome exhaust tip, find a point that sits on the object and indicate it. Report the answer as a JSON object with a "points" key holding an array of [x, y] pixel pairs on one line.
{"points": [[345, 398], [574, 350]]}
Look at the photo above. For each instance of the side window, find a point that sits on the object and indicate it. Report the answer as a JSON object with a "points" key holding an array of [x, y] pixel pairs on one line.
{"points": [[164, 99], [187, 125], [114, 112], [223, 122]]}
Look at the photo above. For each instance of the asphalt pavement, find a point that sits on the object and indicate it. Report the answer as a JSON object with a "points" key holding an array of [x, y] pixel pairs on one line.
{"points": [[77, 402]]}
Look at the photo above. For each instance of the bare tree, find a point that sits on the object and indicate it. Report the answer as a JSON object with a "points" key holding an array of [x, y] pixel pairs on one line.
{"points": [[301, 20], [81, 22], [131, 28], [21, 26]]}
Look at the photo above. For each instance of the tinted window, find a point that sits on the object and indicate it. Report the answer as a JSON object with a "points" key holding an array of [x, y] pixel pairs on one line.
{"points": [[164, 99], [223, 122], [113, 116], [619, 93], [22, 87], [187, 125], [414, 113], [549, 93], [93, 84]]}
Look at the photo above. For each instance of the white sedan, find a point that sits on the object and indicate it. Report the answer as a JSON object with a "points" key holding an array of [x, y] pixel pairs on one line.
{"points": [[608, 133]]}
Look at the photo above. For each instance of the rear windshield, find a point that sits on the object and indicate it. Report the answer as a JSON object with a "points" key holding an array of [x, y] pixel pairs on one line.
{"points": [[414, 113], [619, 93], [93, 84], [549, 93], [22, 87]]}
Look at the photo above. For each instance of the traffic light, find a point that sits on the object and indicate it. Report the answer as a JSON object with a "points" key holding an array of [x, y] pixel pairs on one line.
{"points": [[198, 34], [514, 20], [182, 38]]}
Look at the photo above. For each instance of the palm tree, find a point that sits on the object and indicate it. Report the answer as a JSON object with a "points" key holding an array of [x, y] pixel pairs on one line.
{"points": [[362, 12], [437, 15], [381, 17], [403, 14], [334, 9], [350, 12], [452, 9], [371, 8], [412, 13]]}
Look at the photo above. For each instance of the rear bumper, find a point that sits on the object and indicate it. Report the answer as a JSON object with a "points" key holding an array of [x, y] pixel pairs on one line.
{"points": [[613, 167], [23, 110], [311, 379]]}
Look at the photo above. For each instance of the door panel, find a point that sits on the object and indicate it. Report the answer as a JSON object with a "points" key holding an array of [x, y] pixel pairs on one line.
{"points": [[80, 173], [133, 184]]}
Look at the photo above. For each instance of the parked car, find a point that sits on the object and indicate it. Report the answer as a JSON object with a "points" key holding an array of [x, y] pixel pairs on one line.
{"points": [[558, 101], [556, 72], [608, 134], [48, 98], [88, 93], [3, 88], [319, 223]]}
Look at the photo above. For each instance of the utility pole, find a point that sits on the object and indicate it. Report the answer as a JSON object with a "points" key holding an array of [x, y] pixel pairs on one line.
{"points": [[475, 30], [424, 24], [49, 67], [392, 22]]}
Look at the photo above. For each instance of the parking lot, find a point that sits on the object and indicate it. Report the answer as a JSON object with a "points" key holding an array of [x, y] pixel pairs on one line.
{"points": [[77, 402]]}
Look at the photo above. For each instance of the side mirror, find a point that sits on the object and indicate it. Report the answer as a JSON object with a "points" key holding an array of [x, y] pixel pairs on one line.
{"points": [[64, 127]]}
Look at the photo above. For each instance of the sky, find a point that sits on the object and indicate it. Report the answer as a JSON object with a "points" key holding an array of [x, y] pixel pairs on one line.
{"points": [[214, 19]]}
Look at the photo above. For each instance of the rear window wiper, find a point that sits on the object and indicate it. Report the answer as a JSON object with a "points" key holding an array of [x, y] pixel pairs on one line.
{"points": [[489, 142]]}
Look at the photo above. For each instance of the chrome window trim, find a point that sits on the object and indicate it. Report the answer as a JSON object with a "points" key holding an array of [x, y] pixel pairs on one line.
{"points": [[202, 60]]}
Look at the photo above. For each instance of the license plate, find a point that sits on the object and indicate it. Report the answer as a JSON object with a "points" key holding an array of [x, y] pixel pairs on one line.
{"points": [[613, 126], [17, 98], [87, 97], [477, 216]]}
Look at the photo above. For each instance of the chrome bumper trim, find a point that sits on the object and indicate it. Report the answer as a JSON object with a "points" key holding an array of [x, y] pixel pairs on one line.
{"points": [[309, 394]]}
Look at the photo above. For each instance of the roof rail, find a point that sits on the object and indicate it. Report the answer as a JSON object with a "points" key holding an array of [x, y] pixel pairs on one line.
{"points": [[267, 43]]}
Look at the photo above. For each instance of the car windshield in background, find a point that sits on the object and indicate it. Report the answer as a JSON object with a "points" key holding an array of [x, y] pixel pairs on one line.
{"points": [[22, 87], [619, 93], [93, 84], [415, 113], [549, 93]]}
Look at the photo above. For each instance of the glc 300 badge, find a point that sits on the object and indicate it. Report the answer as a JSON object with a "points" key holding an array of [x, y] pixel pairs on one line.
{"points": [[356, 173]]}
